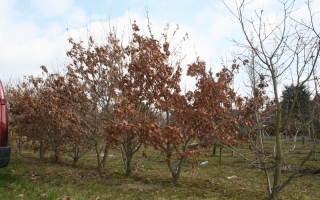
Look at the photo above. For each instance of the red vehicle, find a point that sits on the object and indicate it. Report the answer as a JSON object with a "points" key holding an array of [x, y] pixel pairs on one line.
{"points": [[5, 150]]}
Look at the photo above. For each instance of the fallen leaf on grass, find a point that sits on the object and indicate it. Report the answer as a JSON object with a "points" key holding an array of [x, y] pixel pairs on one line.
{"points": [[20, 195], [45, 195]]}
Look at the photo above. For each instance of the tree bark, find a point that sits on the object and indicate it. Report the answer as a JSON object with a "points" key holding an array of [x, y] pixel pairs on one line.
{"points": [[214, 151], [128, 165], [220, 155], [278, 156], [42, 150], [102, 162]]}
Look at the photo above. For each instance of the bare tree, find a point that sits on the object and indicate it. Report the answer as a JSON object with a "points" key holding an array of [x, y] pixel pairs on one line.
{"points": [[284, 47]]}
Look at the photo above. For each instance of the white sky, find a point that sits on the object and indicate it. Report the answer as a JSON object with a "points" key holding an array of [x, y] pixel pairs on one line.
{"points": [[35, 32]]}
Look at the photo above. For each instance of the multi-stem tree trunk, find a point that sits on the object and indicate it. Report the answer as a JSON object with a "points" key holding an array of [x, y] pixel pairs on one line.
{"points": [[129, 148], [101, 160], [127, 158], [175, 171]]}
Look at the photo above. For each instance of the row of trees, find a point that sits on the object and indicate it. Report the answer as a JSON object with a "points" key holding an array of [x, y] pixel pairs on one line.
{"points": [[129, 96]]}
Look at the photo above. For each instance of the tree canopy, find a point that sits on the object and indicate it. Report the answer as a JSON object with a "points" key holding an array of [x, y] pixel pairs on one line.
{"points": [[301, 110]]}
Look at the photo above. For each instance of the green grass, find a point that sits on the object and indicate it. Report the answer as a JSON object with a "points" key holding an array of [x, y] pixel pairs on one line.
{"points": [[28, 177]]}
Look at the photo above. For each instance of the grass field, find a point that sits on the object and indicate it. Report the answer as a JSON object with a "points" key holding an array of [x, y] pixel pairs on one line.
{"points": [[28, 177]]}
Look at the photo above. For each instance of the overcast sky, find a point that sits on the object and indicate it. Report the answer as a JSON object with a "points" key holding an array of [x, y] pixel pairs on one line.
{"points": [[35, 32]]}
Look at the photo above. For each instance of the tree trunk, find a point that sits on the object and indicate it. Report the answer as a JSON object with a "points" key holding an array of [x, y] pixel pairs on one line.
{"points": [[128, 157], [175, 172], [220, 156], [57, 154], [128, 165], [214, 151], [314, 139], [42, 150], [101, 162], [20, 145], [56, 158], [232, 152], [75, 155], [41, 155], [75, 161], [278, 158], [175, 178]]}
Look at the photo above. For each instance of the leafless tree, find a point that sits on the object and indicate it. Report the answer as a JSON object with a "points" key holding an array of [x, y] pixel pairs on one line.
{"points": [[285, 46]]}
